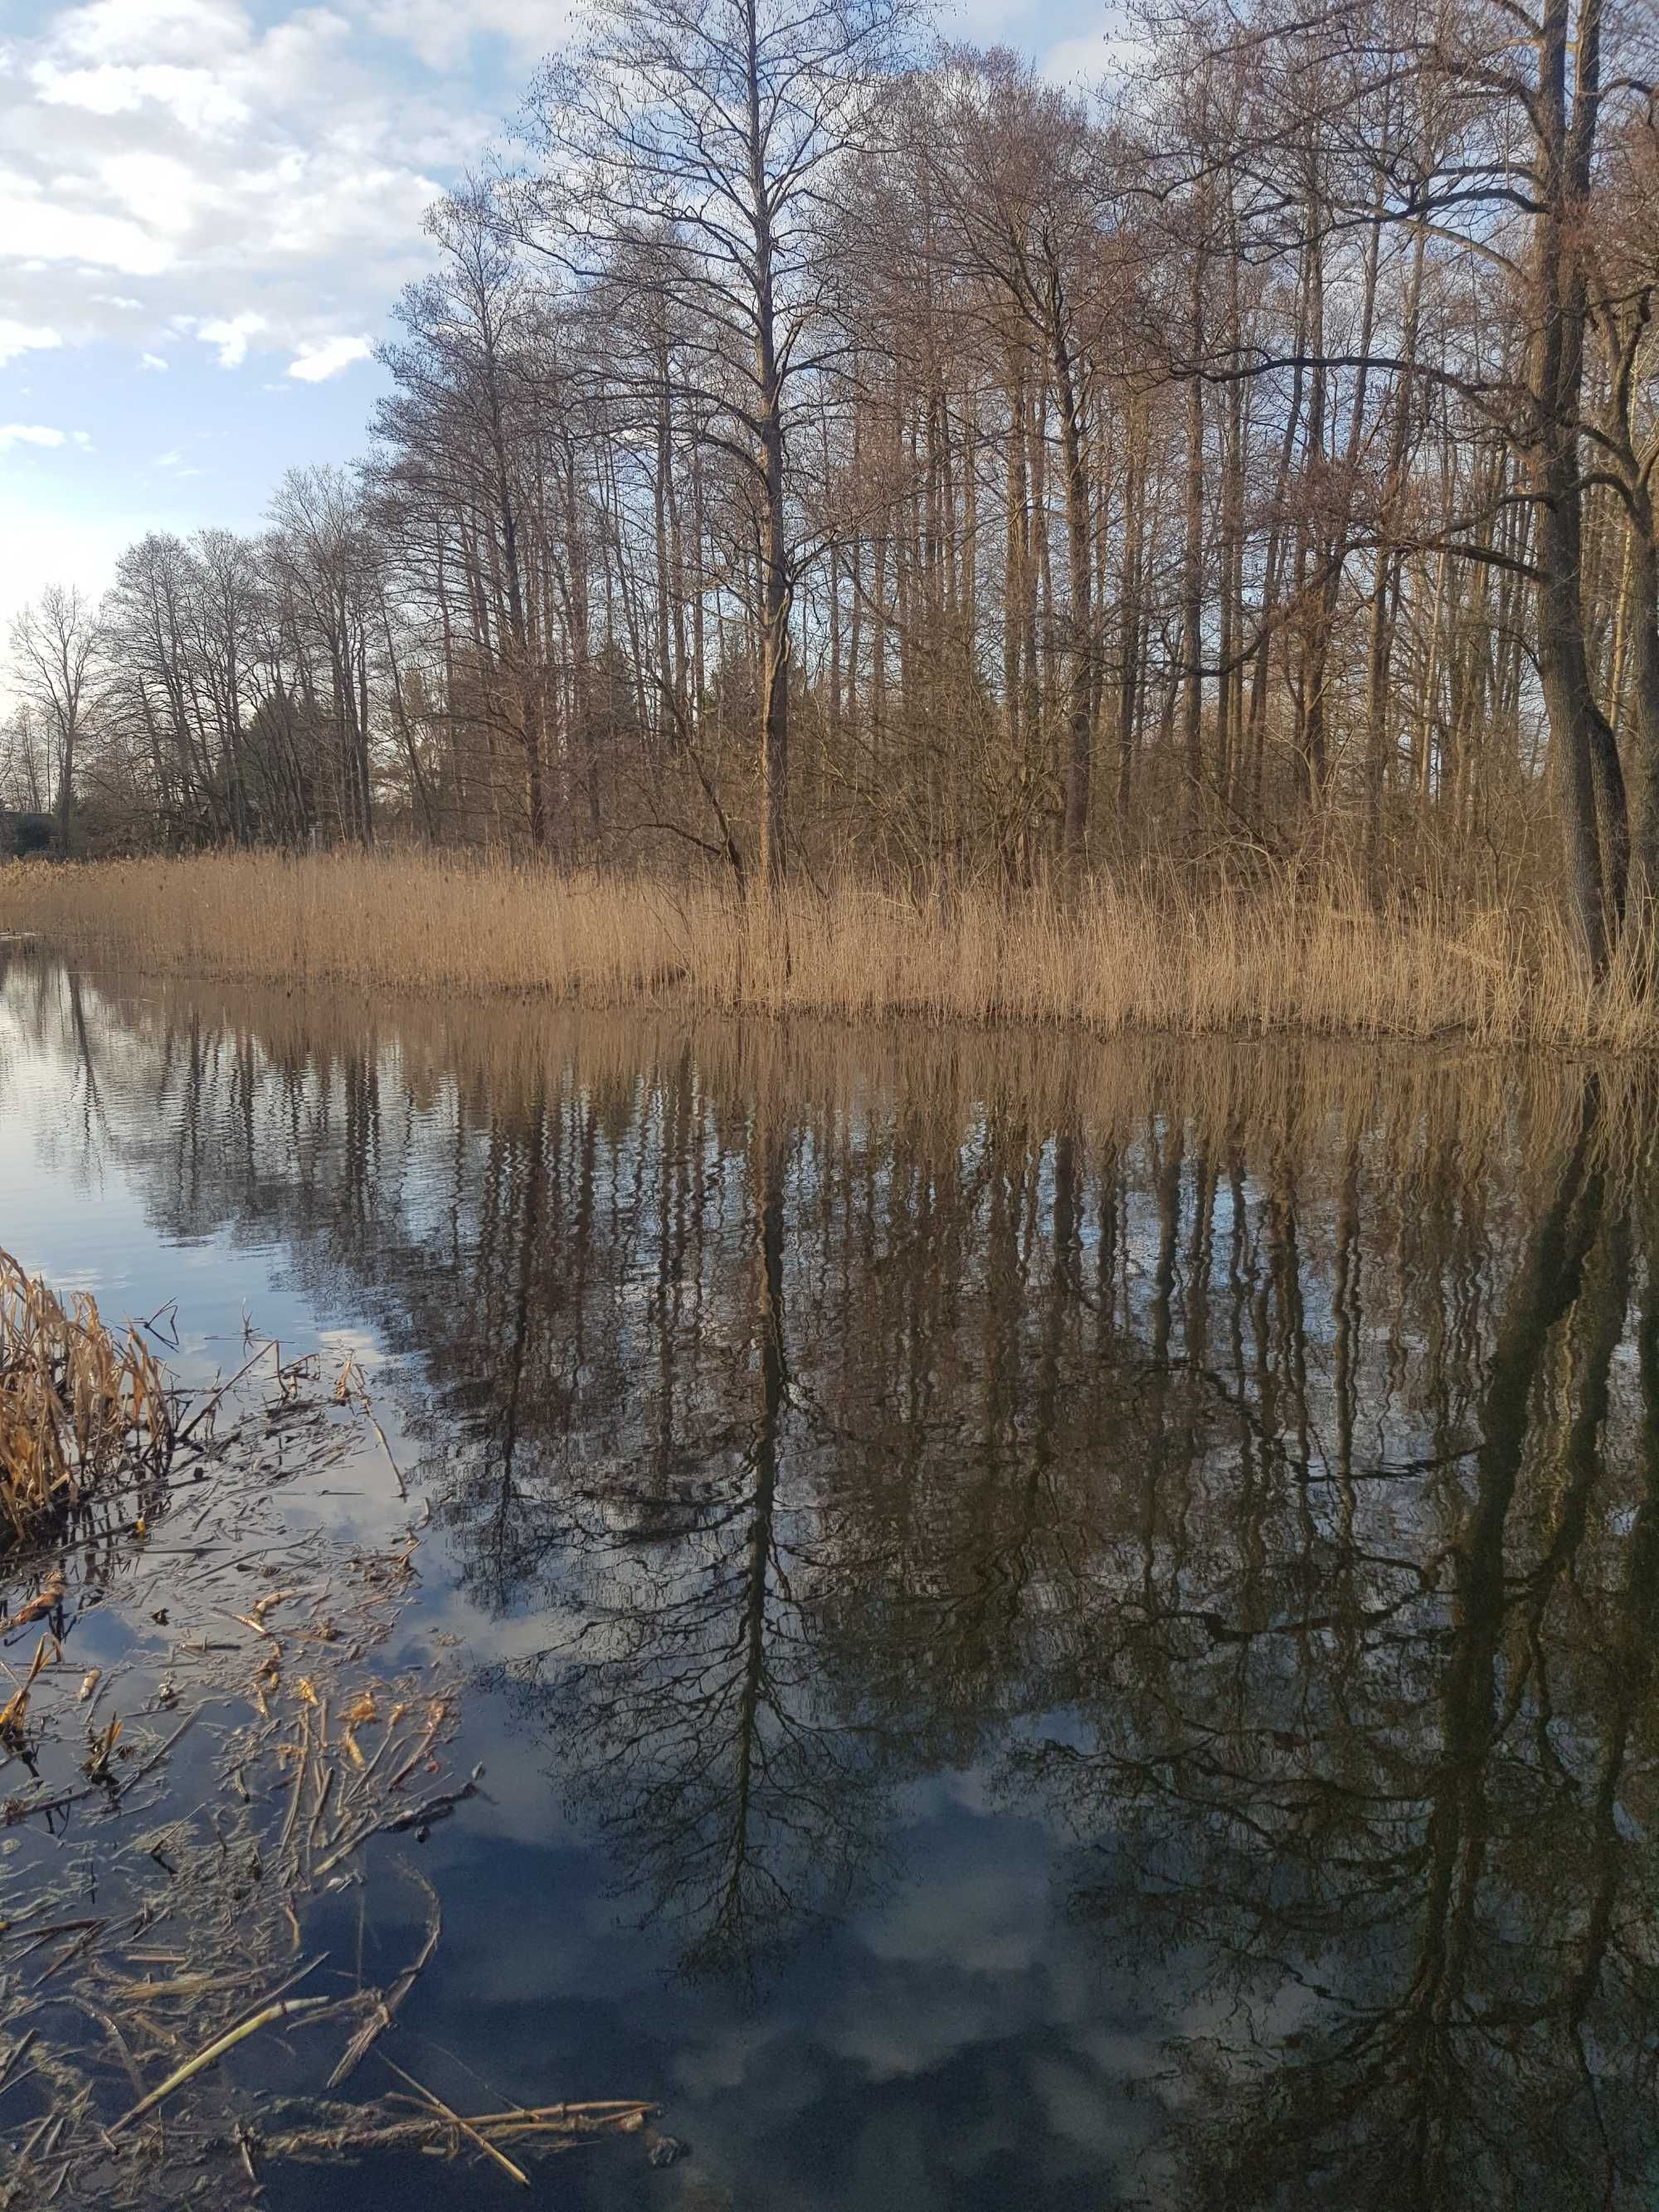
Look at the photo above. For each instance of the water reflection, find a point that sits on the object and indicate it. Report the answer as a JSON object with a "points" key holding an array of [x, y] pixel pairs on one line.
{"points": [[1243, 1463]]}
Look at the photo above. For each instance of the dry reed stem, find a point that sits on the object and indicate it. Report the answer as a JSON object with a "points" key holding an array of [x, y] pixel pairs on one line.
{"points": [[1168, 957], [451, 2118], [77, 1403], [283, 2008], [330, 2133]]}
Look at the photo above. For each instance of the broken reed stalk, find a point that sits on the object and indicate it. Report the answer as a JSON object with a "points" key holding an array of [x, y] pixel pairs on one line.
{"points": [[283, 2008], [452, 2119], [78, 1404], [331, 2132]]}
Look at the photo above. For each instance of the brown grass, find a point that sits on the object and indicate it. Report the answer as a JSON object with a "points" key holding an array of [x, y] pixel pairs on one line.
{"points": [[76, 1402], [1163, 960]]}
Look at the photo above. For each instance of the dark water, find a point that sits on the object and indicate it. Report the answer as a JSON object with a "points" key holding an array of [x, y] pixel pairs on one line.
{"points": [[1048, 1626]]}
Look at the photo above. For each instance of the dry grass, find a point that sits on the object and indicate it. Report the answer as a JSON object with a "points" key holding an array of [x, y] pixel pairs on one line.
{"points": [[77, 1402], [1163, 960]]}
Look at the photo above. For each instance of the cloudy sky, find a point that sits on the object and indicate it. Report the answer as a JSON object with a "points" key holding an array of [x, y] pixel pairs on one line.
{"points": [[206, 211]]}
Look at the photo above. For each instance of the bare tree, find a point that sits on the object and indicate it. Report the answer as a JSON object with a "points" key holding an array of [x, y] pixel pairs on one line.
{"points": [[325, 563], [54, 645], [711, 130]]}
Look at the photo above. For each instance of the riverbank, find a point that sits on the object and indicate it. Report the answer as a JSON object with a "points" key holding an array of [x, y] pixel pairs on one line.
{"points": [[1109, 959]]}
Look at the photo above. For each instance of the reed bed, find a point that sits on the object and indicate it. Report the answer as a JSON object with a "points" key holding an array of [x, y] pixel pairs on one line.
{"points": [[79, 1404], [1166, 958]]}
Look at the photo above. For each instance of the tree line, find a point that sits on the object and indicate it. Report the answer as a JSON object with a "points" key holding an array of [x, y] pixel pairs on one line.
{"points": [[819, 449]]}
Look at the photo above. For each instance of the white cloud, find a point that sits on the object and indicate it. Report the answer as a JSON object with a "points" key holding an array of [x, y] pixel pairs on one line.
{"points": [[439, 34], [182, 31], [217, 164], [231, 335], [157, 190], [30, 433], [24, 337], [169, 460], [190, 95], [324, 357], [57, 232], [153, 363]]}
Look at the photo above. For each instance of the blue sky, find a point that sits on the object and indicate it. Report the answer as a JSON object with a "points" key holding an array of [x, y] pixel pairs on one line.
{"points": [[206, 211]]}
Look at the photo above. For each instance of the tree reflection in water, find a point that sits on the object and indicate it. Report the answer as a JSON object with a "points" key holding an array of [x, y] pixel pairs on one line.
{"points": [[1247, 1460]]}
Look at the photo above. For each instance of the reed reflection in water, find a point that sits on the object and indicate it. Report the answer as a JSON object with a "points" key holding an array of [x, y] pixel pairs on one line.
{"points": [[1243, 1463]]}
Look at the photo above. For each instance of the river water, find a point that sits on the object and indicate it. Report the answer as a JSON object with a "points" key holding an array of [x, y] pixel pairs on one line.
{"points": [[1047, 1625]]}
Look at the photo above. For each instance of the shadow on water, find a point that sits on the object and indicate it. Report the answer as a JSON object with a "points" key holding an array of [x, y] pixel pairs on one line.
{"points": [[1236, 1468]]}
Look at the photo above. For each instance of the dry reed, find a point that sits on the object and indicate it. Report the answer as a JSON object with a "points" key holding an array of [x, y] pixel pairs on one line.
{"points": [[1165, 959], [77, 1402]]}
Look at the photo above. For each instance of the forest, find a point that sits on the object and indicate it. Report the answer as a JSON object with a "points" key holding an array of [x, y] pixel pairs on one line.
{"points": [[822, 455]]}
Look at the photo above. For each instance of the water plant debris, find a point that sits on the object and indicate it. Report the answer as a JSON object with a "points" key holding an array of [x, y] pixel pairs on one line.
{"points": [[177, 1820]]}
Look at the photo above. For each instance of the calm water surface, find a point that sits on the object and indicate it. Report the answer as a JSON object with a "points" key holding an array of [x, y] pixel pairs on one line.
{"points": [[1047, 1626]]}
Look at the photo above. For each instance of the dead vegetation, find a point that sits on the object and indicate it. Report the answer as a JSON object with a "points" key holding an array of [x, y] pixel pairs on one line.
{"points": [[79, 1405], [1172, 957], [178, 1823]]}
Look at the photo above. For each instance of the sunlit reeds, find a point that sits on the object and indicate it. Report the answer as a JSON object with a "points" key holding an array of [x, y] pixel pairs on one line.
{"points": [[1172, 957], [78, 1403]]}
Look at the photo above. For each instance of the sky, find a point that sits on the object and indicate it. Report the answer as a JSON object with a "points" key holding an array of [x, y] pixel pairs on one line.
{"points": [[207, 211]]}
